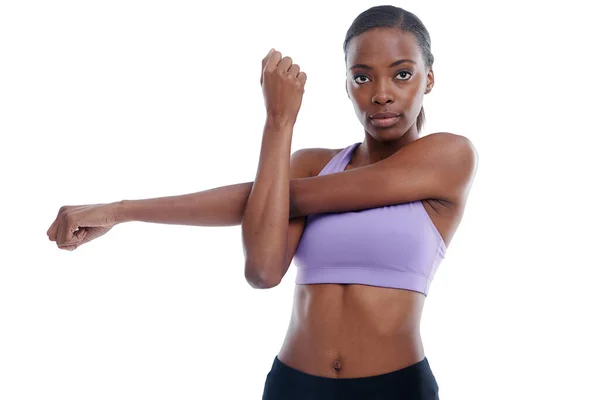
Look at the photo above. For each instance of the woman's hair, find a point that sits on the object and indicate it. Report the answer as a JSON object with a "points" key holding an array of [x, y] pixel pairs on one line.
{"points": [[393, 17]]}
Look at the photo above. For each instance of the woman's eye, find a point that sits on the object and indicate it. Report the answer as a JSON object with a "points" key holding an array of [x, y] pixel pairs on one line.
{"points": [[399, 73]]}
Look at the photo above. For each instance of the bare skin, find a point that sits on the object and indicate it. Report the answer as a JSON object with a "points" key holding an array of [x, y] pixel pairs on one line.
{"points": [[351, 331]]}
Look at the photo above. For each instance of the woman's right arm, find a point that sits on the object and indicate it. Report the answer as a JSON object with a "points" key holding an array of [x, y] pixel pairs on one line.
{"points": [[221, 206]]}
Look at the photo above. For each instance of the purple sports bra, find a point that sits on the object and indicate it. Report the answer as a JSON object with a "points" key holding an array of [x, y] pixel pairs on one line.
{"points": [[395, 246]]}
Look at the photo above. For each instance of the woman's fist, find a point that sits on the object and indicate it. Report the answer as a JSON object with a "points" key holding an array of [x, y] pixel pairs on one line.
{"points": [[283, 87], [76, 225]]}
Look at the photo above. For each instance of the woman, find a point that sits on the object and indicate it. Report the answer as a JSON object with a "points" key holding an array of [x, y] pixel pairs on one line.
{"points": [[368, 224]]}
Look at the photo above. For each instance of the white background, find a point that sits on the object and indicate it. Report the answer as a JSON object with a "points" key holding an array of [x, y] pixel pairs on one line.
{"points": [[104, 101]]}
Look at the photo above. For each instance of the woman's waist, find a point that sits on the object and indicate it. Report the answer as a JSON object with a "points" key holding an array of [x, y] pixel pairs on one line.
{"points": [[356, 350], [351, 337]]}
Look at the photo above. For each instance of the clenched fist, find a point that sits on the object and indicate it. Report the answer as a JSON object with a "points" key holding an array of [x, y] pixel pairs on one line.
{"points": [[76, 225], [283, 87]]}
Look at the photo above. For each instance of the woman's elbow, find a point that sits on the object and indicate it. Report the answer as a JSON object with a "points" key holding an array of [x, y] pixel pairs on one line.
{"points": [[258, 279]]}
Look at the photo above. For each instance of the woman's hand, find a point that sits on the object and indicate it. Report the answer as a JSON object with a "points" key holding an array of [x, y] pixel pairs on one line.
{"points": [[76, 225], [283, 87]]}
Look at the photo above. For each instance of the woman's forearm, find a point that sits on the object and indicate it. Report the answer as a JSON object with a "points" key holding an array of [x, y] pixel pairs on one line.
{"points": [[265, 221], [221, 206]]}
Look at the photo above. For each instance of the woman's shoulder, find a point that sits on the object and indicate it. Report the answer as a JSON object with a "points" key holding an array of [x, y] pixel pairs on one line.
{"points": [[317, 157]]}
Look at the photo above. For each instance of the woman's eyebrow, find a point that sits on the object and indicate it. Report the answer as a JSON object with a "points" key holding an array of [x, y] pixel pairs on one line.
{"points": [[390, 66]]}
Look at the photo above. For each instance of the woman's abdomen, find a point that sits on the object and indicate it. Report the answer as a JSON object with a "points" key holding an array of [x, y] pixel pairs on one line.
{"points": [[348, 331]]}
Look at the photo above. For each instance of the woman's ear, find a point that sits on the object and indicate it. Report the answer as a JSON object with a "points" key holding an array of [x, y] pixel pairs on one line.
{"points": [[430, 81]]}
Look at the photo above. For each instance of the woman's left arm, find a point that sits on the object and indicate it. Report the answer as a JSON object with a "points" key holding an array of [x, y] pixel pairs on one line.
{"points": [[437, 166]]}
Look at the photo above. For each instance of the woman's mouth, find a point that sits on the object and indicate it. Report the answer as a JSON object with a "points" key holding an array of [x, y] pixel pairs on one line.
{"points": [[384, 122]]}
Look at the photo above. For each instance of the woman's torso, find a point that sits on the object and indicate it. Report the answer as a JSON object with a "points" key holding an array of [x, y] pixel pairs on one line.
{"points": [[350, 330]]}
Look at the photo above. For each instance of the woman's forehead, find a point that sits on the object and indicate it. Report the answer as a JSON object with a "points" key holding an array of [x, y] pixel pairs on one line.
{"points": [[382, 45]]}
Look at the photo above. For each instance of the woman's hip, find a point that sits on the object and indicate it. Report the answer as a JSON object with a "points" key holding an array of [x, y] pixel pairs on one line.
{"points": [[414, 382]]}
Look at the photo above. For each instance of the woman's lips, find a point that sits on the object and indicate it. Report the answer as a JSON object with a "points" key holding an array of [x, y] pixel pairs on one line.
{"points": [[384, 122]]}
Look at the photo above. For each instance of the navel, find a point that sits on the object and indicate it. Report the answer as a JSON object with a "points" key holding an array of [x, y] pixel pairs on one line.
{"points": [[336, 365]]}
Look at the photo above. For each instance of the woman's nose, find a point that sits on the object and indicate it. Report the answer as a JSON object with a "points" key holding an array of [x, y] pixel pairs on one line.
{"points": [[382, 94], [382, 98]]}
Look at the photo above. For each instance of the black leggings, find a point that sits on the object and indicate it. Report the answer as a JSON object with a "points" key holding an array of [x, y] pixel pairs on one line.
{"points": [[415, 382]]}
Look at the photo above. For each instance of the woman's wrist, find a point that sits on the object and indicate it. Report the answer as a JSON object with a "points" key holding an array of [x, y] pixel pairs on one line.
{"points": [[118, 210], [279, 122]]}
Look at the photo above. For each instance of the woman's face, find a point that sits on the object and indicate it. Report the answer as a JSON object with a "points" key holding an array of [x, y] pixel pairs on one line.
{"points": [[375, 82]]}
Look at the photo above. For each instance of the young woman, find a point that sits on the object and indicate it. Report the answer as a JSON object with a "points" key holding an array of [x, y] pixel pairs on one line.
{"points": [[368, 224]]}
